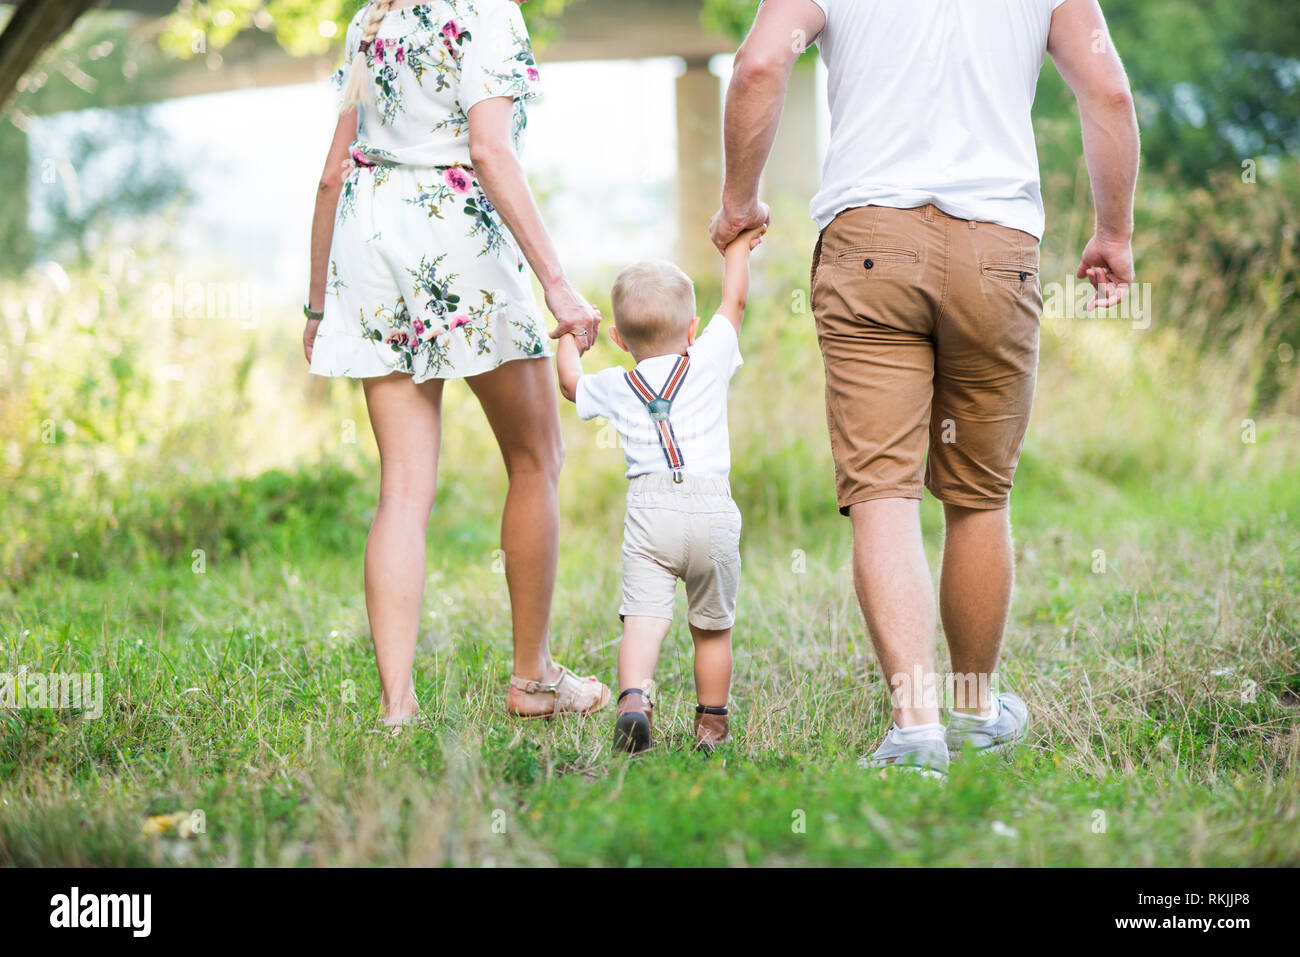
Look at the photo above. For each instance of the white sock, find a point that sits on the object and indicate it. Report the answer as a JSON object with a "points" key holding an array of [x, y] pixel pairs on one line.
{"points": [[919, 732], [993, 713]]}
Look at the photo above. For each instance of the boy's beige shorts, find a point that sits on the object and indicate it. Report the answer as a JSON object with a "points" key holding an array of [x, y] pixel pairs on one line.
{"points": [[688, 531]]}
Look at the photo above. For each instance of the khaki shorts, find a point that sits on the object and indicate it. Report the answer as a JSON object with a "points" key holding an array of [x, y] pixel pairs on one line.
{"points": [[688, 531], [928, 327]]}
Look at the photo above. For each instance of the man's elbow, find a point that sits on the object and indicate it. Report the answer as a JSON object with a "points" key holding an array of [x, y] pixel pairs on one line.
{"points": [[1119, 99], [1111, 100], [755, 68]]}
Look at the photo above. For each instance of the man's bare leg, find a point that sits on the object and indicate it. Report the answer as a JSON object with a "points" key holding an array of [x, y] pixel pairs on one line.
{"points": [[897, 598], [975, 596]]}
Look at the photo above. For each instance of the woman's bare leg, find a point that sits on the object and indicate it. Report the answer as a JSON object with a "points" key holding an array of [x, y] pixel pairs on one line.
{"points": [[407, 421], [520, 402]]}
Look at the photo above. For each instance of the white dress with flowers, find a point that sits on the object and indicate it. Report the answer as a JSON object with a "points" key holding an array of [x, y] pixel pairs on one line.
{"points": [[424, 278]]}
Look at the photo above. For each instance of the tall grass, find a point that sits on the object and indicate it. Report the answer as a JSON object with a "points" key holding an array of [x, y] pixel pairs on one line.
{"points": [[196, 538]]}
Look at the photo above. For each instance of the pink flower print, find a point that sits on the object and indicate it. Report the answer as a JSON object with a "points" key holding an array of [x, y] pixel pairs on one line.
{"points": [[450, 30], [458, 321], [533, 74], [457, 179], [398, 338], [379, 49], [400, 56]]}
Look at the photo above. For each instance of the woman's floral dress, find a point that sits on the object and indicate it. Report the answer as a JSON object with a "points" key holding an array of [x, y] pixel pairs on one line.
{"points": [[423, 276]]}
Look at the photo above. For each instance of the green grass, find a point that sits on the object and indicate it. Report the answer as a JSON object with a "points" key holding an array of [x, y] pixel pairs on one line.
{"points": [[1164, 694], [199, 544]]}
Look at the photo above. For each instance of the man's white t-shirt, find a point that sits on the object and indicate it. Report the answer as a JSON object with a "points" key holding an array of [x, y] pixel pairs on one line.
{"points": [[930, 103], [698, 415]]}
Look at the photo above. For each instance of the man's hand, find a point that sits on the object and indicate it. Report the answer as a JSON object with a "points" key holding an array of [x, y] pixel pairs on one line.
{"points": [[1107, 263], [728, 224], [574, 315]]}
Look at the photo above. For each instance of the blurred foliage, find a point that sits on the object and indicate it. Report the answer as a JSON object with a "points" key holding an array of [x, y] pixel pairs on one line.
{"points": [[15, 237], [97, 183], [302, 27], [730, 16]]}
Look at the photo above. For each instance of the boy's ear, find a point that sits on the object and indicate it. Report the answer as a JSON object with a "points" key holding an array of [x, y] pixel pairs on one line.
{"points": [[692, 330], [617, 339]]}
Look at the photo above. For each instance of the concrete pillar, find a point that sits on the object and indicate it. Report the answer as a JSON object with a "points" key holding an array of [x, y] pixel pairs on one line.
{"points": [[699, 165], [794, 169]]}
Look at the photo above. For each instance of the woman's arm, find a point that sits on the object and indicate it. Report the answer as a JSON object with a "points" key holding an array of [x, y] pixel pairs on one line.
{"points": [[492, 152], [322, 223]]}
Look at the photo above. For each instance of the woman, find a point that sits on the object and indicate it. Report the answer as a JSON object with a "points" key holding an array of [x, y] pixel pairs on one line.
{"points": [[416, 280]]}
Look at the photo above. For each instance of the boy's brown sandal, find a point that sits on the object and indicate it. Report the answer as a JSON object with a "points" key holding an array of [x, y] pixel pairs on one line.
{"points": [[570, 693], [634, 726], [712, 726]]}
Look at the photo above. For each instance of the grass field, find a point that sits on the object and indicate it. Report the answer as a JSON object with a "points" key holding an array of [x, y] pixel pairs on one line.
{"points": [[1155, 634]]}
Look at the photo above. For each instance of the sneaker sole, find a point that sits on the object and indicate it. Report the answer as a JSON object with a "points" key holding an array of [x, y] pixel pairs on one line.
{"points": [[926, 772], [998, 747]]}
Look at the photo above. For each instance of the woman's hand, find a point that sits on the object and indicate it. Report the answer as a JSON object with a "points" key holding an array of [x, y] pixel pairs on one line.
{"points": [[309, 337], [573, 314]]}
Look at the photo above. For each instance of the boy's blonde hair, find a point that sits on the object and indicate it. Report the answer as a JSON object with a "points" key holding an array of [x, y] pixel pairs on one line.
{"points": [[653, 302]]}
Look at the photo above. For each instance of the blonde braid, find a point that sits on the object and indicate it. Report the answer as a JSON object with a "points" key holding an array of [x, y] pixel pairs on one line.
{"points": [[357, 88]]}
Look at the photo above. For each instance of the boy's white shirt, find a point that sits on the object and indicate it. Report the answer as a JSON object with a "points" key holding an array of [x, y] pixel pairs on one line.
{"points": [[699, 413]]}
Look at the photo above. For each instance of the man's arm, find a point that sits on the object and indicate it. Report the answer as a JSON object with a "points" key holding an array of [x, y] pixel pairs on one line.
{"points": [[735, 275], [568, 366], [781, 32], [1081, 48]]}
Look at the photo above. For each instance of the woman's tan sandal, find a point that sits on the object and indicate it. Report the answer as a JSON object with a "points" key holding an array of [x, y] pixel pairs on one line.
{"points": [[571, 694]]}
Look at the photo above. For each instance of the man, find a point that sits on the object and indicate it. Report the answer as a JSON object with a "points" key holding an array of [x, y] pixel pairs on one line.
{"points": [[926, 295]]}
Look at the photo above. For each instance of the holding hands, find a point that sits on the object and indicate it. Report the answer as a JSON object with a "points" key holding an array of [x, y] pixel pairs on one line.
{"points": [[573, 314], [728, 223]]}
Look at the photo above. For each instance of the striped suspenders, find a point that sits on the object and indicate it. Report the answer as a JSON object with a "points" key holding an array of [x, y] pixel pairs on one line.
{"points": [[658, 404]]}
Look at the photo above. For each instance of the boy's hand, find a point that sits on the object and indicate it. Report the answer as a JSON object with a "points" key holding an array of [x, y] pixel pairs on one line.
{"points": [[746, 242]]}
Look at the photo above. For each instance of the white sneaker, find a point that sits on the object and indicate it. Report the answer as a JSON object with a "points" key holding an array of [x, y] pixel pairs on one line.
{"points": [[1005, 727], [926, 755]]}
